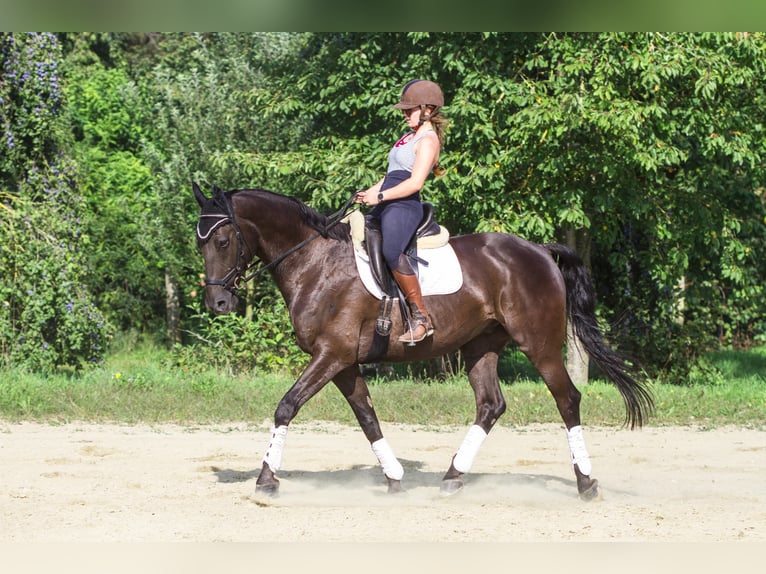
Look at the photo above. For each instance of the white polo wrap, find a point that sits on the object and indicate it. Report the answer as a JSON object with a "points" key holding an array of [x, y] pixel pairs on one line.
{"points": [[579, 452], [472, 442], [392, 468], [273, 455]]}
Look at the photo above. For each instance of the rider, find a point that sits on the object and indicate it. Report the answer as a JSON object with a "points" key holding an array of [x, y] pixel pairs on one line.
{"points": [[396, 196]]}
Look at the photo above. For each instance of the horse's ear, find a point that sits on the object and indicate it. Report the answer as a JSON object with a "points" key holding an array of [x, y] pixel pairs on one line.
{"points": [[201, 199]]}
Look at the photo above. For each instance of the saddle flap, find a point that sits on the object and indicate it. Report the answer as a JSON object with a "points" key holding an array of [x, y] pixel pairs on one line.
{"points": [[373, 240]]}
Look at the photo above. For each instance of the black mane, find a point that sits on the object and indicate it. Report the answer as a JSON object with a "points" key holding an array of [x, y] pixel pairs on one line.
{"points": [[312, 218]]}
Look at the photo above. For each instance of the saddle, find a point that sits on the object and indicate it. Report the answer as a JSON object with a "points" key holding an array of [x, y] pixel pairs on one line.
{"points": [[367, 238]]}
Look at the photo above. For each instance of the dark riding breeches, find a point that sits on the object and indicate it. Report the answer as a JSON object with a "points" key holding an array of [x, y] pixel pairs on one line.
{"points": [[399, 219]]}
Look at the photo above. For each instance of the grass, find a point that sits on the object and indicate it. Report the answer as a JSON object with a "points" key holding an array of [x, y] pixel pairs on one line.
{"points": [[140, 385]]}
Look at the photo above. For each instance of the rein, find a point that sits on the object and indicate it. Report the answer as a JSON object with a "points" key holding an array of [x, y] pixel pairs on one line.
{"points": [[236, 275]]}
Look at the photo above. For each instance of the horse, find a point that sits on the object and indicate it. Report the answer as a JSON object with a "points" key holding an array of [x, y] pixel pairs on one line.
{"points": [[513, 291]]}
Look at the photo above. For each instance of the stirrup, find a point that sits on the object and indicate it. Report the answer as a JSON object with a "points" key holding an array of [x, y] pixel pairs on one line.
{"points": [[410, 338]]}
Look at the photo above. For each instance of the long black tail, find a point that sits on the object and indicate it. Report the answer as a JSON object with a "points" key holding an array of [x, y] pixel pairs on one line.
{"points": [[581, 307]]}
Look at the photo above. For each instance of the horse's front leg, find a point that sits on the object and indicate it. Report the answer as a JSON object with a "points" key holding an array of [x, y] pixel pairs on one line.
{"points": [[317, 374], [354, 388]]}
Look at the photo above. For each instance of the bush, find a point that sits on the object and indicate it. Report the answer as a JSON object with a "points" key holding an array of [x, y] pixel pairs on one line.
{"points": [[235, 343], [51, 321]]}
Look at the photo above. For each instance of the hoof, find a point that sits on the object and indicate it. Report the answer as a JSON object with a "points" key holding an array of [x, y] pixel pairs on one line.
{"points": [[394, 486], [270, 489], [592, 492], [451, 486], [586, 486], [267, 483]]}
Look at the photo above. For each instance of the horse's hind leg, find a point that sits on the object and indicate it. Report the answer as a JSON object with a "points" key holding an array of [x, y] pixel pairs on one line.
{"points": [[481, 357], [354, 388], [567, 399]]}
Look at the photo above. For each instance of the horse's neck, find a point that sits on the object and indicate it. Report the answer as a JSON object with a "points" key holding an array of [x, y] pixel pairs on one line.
{"points": [[273, 226], [271, 223], [310, 271]]}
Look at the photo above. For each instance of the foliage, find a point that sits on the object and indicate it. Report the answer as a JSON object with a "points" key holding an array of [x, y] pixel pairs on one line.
{"points": [[109, 124], [238, 343], [645, 151], [646, 148], [30, 103], [48, 318], [53, 322], [199, 87]]}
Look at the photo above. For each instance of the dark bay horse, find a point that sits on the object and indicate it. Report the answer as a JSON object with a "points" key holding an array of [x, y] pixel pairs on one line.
{"points": [[513, 291]]}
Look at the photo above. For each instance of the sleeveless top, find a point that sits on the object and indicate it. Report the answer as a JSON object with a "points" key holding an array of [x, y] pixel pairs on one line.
{"points": [[401, 160]]}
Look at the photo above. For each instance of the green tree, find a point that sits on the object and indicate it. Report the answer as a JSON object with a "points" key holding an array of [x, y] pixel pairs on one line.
{"points": [[109, 121], [48, 318], [201, 88], [644, 151], [648, 145]]}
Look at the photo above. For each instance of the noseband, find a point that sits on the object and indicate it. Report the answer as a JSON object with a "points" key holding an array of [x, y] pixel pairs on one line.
{"points": [[236, 275]]}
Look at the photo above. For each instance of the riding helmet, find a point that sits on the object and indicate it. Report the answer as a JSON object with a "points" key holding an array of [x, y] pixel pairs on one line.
{"points": [[420, 93]]}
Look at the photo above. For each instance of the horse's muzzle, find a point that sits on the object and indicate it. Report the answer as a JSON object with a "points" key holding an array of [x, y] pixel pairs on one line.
{"points": [[220, 301]]}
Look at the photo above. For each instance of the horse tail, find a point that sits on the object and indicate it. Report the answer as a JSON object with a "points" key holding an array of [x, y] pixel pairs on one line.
{"points": [[581, 310]]}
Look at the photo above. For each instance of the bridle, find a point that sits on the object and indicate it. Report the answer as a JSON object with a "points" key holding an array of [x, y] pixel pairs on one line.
{"points": [[237, 274], [233, 276]]}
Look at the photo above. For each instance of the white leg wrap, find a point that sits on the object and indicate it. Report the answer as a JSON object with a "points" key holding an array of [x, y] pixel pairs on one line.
{"points": [[392, 468], [473, 440], [579, 452], [273, 455]]}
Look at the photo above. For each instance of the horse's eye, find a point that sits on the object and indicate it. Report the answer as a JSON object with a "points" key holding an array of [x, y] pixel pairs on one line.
{"points": [[222, 243]]}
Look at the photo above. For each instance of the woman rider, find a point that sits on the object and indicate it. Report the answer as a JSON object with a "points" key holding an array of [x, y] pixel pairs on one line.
{"points": [[396, 197]]}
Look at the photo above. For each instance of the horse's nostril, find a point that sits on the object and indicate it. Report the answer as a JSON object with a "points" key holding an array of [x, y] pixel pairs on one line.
{"points": [[221, 305]]}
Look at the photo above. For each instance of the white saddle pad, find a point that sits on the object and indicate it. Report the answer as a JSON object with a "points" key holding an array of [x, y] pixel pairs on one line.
{"points": [[441, 276]]}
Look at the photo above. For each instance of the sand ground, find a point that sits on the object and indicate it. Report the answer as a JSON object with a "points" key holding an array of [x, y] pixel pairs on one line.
{"points": [[103, 483]]}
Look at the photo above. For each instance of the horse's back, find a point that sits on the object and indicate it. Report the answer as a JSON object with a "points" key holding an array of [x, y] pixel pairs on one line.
{"points": [[483, 256]]}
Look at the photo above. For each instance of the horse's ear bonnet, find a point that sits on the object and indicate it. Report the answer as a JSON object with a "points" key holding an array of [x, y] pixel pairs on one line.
{"points": [[215, 213]]}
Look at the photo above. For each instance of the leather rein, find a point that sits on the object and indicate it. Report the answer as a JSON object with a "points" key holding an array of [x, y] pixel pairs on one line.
{"points": [[236, 275]]}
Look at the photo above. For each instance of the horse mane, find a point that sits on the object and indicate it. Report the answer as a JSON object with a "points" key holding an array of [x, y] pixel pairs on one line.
{"points": [[315, 220]]}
